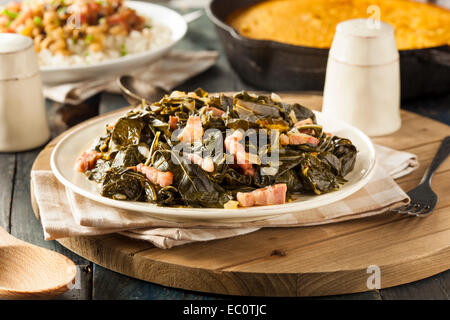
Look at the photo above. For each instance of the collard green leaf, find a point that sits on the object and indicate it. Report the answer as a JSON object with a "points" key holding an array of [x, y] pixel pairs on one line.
{"points": [[333, 161], [197, 189], [232, 179], [291, 179], [128, 157], [317, 175], [98, 173], [127, 131], [253, 110], [346, 152], [123, 184]]}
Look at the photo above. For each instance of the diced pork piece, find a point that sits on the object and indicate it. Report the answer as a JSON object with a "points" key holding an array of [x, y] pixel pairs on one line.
{"points": [[234, 147], [4, 20], [155, 176], [298, 138], [216, 111], [250, 172], [87, 160], [193, 130], [206, 164], [284, 140], [275, 194], [173, 122], [303, 122], [237, 134]]}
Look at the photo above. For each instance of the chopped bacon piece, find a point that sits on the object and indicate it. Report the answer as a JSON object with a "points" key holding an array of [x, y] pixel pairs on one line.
{"points": [[87, 160], [250, 172], [275, 194], [206, 164], [4, 20], [173, 122], [125, 17], [303, 122], [284, 140], [234, 147], [298, 138], [155, 176], [216, 111], [193, 130]]}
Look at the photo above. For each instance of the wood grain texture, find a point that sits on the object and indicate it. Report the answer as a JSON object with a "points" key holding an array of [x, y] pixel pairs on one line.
{"points": [[31, 272], [16, 214], [315, 261], [7, 177]]}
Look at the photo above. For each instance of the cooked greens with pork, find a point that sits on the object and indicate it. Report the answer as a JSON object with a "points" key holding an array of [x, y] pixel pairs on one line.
{"points": [[218, 151]]}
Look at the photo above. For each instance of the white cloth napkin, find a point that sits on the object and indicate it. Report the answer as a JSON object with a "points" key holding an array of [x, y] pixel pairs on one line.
{"points": [[67, 214], [167, 73]]}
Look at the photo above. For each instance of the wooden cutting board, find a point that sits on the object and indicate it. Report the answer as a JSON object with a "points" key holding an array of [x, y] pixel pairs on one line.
{"points": [[309, 261]]}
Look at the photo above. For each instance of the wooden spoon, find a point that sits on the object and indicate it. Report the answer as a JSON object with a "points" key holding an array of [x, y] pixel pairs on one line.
{"points": [[31, 272]]}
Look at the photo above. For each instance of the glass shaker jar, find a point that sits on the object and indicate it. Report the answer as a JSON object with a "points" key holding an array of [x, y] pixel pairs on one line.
{"points": [[23, 121], [362, 85]]}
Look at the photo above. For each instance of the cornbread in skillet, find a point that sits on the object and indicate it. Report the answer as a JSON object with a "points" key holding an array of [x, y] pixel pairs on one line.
{"points": [[312, 23]]}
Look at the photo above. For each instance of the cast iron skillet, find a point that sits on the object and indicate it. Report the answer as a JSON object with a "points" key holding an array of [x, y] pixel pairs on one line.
{"points": [[272, 65]]}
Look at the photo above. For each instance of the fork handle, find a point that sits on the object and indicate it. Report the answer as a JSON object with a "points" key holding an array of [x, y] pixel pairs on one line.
{"points": [[441, 155]]}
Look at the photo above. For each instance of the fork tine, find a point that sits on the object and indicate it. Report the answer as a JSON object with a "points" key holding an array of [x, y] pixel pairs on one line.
{"points": [[425, 211], [416, 208], [416, 212], [405, 209], [398, 210]]}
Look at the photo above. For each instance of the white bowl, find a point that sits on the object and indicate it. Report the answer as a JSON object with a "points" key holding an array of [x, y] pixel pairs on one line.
{"points": [[71, 146], [52, 75]]}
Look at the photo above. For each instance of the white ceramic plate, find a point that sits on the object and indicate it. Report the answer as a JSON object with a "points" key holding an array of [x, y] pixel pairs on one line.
{"points": [[70, 147], [171, 19]]}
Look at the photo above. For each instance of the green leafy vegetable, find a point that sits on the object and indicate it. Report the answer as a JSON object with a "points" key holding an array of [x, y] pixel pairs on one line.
{"points": [[12, 15], [123, 50], [145, 137], [89, 38], [37, 21]]}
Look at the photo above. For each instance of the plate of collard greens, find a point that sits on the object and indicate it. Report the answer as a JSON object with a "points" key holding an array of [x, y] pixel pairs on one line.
{"points": [[221, 157]]}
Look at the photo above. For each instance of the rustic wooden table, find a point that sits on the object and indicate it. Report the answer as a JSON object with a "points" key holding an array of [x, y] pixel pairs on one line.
{"points": [[16, 214]]}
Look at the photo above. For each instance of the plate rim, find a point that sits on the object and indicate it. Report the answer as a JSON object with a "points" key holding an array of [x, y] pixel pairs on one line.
{"points": [[216, 214]]}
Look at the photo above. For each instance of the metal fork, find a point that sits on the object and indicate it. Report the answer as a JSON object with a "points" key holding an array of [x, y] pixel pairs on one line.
{"points": [[423, 198]]}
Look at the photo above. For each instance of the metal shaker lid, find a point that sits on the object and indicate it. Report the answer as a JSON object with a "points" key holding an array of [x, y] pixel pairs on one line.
{"points": [[363, 42], [17, 57]]}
